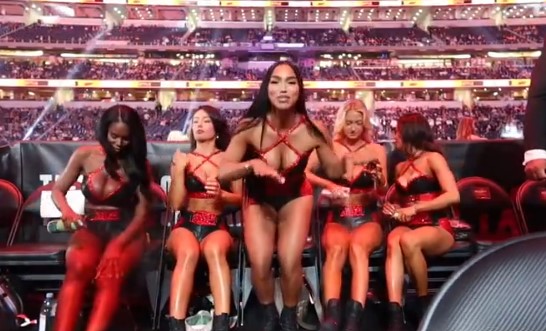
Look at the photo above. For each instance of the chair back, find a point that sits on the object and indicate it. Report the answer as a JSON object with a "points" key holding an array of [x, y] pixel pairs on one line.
{"points": [[488, 209], [11, 200], [531, 205]]}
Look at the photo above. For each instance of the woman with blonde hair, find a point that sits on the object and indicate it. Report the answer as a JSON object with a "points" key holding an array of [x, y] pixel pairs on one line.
{"points": [[466, 130], [353, 230]]}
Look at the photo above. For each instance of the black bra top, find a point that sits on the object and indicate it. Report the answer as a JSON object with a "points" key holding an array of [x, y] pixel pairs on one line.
{"points": [[194, 183], [364, 180], [293, 173], [420, 184], [123, 196]]}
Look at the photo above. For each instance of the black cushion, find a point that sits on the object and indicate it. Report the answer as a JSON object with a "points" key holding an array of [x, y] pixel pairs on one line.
{"points": [[47, 254]]}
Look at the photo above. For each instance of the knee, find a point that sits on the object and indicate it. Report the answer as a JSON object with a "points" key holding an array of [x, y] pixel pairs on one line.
{"points": [[358, 251], [393, 243], [261, 267], [214, 252], [290, 265], [336, 253], [80, 270], [185, 255], [409, 243]]}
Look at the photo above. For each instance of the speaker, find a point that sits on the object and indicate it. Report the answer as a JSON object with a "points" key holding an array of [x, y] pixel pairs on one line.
{"points": [[502, 289]]}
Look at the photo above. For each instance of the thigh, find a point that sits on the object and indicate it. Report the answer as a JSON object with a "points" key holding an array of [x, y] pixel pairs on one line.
{"points": [[132, 253], [217, 242], [335, 235], [84, 251], [396, 233], [432, 240], [182, 241], [294, 221], [260, 228], [368, 235]]}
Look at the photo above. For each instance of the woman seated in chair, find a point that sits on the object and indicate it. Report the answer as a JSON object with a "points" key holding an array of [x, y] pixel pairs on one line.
{"points": [[117, 189], [426, 188], [201, 230], [271, 150], [353, 229]]}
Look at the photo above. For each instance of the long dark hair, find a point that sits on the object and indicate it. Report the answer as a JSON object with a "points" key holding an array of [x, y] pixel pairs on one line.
{"points": [[261, 105], [221, 128], [416, 132], [132, 158]]}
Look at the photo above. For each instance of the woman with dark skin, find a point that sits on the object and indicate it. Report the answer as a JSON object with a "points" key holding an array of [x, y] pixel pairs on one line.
{"points": [[270, 151], [425, 188], [353, 229], [201, 231], [117, 190]]}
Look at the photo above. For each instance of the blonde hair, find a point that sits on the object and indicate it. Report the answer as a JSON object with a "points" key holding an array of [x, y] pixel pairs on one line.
{"points": [[465, 129], [358, 106]]}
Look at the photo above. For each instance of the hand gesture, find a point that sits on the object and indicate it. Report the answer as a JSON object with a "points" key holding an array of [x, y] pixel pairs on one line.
{"points": [[339, 193], [389, 209], [69, 218], [406, 214], [212, 185], [262, 169], [536, 169], [180, 160]]}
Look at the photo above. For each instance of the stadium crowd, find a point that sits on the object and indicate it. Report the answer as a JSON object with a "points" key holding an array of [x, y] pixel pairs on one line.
{"points": [[58, 68], [157, 35], [65, 124]]}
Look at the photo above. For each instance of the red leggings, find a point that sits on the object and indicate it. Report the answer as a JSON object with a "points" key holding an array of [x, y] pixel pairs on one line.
{"points": [[82, 258]]}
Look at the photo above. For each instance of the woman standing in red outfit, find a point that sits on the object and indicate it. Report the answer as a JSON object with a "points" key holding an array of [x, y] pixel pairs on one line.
{"points": [[270, 151], [201, 230], [117, 190], [425, 188], [353, 230]]}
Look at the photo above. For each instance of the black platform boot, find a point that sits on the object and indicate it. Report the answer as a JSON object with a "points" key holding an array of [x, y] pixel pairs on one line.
{"points": [[289, 319], [220, 322], [332, 316], [353, 316], [396, 317], [176, 324], [423, 303], [270, 317]]}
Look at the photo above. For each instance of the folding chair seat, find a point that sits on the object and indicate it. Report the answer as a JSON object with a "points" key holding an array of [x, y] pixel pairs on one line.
{"points": [[489, 211], [531, 205], [31, 252]]}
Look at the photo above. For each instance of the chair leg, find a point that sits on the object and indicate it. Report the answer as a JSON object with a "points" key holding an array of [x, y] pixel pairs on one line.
{"points": [[312, 277]]}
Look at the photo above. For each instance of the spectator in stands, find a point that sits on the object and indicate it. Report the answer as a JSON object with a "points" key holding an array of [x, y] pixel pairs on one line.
{"points": [[177, 135], [118, 194], [425, 188], [353, 229], [201, 230], [271, 149], [535, 122], [467, 130]]}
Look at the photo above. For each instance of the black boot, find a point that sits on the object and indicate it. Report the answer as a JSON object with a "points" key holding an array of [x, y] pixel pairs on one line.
{"points": [[220, 322], [423, 303], [396, 317], [354, 311], [270, 317], [332, 316], [289, 319], [176, 324]]}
